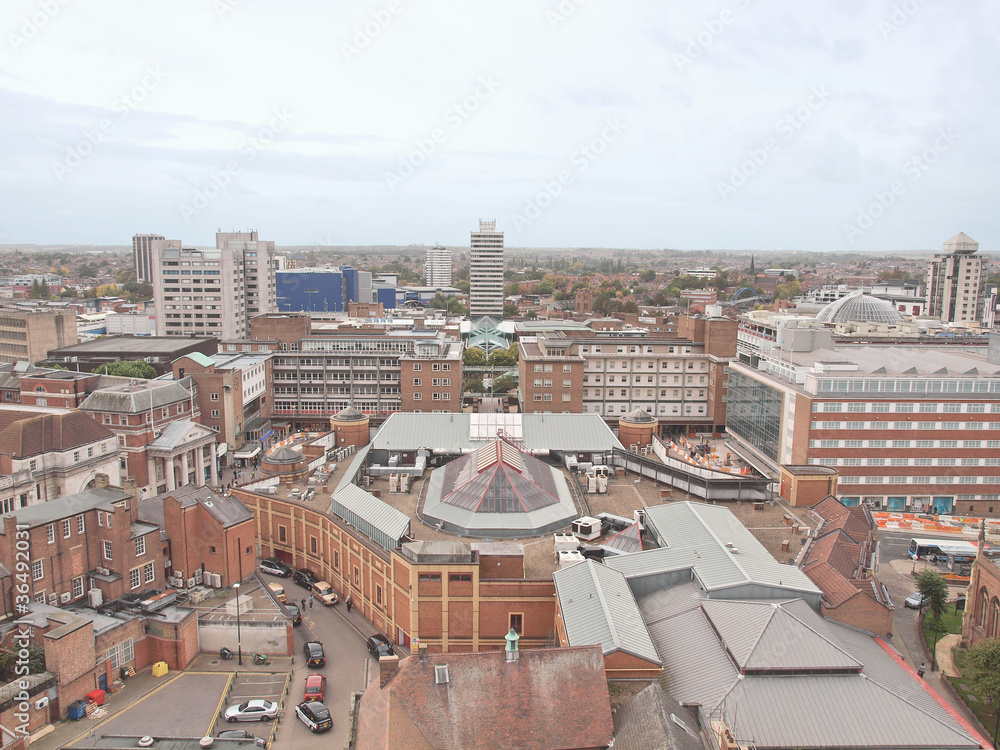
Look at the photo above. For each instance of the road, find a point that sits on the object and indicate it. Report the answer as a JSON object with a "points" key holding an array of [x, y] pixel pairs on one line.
{"points": [[348, 669]]}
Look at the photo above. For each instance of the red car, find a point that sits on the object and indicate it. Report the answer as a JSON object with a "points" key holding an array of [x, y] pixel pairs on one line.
{"points": [[315, 687]]}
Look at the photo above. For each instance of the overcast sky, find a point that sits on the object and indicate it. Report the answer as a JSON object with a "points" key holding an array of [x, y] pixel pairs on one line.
{"points": [[740, 124]]}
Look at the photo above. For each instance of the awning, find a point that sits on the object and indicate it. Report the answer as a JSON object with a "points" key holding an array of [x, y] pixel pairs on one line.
{"points": [[266, 436], [247, 452], [257, 423], [221, 449]]}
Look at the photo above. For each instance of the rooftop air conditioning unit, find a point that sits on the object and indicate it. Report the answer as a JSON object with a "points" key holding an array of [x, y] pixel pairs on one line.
{"points": [[179, 574], [191, 583], [166, 563], [96, 597], [42, 702], [214, 580], [198, 575], [65, 597]]}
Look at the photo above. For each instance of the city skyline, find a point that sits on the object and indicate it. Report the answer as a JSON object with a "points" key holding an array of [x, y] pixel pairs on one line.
{"points": [[735, 126]]}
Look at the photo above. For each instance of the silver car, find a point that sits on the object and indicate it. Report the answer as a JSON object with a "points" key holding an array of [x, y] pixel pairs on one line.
{"points": [[253, 710]]}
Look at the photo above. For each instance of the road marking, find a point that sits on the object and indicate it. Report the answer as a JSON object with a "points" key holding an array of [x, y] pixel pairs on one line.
{"points": [[126, 708], [218, 708]]}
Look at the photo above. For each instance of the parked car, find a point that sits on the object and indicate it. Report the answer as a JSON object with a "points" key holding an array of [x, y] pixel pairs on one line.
{"points": [[325, 593], [275, 567], [241, 734], [315, 687], [314, 715], [253, 710], [304, 577], [315, 656], [294, 613], [278, 590], [379, 646], [914, 600]]}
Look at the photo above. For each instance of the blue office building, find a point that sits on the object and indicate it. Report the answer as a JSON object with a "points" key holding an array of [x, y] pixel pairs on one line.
{"points": [[311, 290]]}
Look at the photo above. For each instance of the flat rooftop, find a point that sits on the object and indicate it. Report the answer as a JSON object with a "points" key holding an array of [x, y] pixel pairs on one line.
{"points": [[149, 345]]}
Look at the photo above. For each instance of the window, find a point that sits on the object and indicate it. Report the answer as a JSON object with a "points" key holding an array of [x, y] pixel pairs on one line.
{"points": [[312, 545], [148, 573], [81, 525], [50, 533], [107, 550], [357, 576], [430, 577], [378, 595], [215, 413], [416, 367], [67, 528], [140, 546], [121, 654], [37, 569], [459, 577], [517, 622], [282, 534], [78, 587], [417, 381], [134, 578]]}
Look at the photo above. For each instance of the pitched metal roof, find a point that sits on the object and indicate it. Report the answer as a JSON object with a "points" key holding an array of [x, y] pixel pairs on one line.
{"points": [[598, 607], [377, 520], [135, 398], [199, 358], [696, 535], [454, 432], [66, 506]]}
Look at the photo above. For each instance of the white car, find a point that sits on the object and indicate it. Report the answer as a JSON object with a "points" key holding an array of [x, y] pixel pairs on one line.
{"points": [[253, 710], [914, 600]]}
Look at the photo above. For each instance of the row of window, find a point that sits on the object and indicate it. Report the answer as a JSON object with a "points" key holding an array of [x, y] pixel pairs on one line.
{"points": [[906, 425], [853, 385], [918, 480], [904, 407], [897, 443], [446, 382], [637, 393], [906, 461], [446, 396]]}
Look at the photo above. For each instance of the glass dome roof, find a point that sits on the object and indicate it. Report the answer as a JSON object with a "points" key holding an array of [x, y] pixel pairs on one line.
{"points": [[859, 307]]}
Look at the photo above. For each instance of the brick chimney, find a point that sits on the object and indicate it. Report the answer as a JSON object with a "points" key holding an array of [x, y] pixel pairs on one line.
{"points": [[422, 651], [101, 481], [131, 487], [387, 666]]}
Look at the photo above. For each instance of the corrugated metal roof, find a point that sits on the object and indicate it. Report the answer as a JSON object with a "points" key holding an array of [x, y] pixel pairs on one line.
{"points": [[378, 520], [765, 636], [696, 535], [821, 711], [453, 432], [598, 607]]}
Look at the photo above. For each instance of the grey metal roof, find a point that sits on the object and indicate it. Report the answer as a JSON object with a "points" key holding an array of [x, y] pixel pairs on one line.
{"points": [[64, 507], [598, 608], [377, 520], [179, 432], [452, 432], [695, 536], [134, 399], [844, 711], [284, 455]]}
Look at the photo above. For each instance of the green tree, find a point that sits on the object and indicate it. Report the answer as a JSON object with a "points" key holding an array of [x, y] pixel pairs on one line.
{"points": [[504, 357], [474, 357], [545, 287], [9, 662], [473, 384], [128, 369], [505, 383], [68, 293], [648, 275], [108, 290], [983, 674], [512, 289], [39, 291], [509, 310], [125, 276], [933, 591]]}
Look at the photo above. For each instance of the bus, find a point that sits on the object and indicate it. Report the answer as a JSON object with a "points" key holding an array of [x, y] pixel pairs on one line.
{"points": [[932, 549]]}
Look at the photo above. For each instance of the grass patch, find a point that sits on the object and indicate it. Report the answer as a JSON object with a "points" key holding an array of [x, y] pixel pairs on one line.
{"points": [[985, 712], [950, 619]]}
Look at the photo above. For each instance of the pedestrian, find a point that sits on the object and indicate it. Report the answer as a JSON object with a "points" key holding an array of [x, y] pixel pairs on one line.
{"points": [[310, 601], [920, 672], [303, 603], [349, 602]]}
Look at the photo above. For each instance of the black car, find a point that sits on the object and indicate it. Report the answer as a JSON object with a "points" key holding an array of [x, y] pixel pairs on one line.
{"points": [[275, 567], [294, 613], [315, 657], [314, 715], [305, 578], [242, 734], [379, 646]]}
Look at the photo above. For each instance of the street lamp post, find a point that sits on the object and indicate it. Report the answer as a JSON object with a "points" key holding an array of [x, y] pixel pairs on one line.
{"points": [[239, 642]]}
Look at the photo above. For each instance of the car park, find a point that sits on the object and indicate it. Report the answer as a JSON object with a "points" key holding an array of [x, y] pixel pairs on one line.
{"points": [[241, 734], [325, 593], [314, 715], [914, 600], [315, 656], [379, 646], [294, 613], [275, 567], [304, 577], [315, 687], [252, 710]]}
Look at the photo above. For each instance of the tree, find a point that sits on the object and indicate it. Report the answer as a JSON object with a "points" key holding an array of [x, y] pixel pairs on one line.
{"points": [[473, 385], [9, 662], [39, 291], [648, 275], [504, 383], [933, 592], [108, 290], [128, 369], [983, 674], [509, 310], [504, 357], [125, 276], [474, 357], [545, 286]]}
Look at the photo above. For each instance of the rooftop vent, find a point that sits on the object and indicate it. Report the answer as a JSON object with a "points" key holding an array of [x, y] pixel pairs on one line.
{"points": [[441, 674], [145, 741]]}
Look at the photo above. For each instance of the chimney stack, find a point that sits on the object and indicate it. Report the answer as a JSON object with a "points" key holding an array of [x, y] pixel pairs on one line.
{"points": [[422, 651], [387, 666], [131, 487]]}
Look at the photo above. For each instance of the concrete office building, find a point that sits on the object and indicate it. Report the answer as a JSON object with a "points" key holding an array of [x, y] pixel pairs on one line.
{"points": [[213, 292], [143, 256], [486, 275], [956, 282], [29, 335], [438, 267]]}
